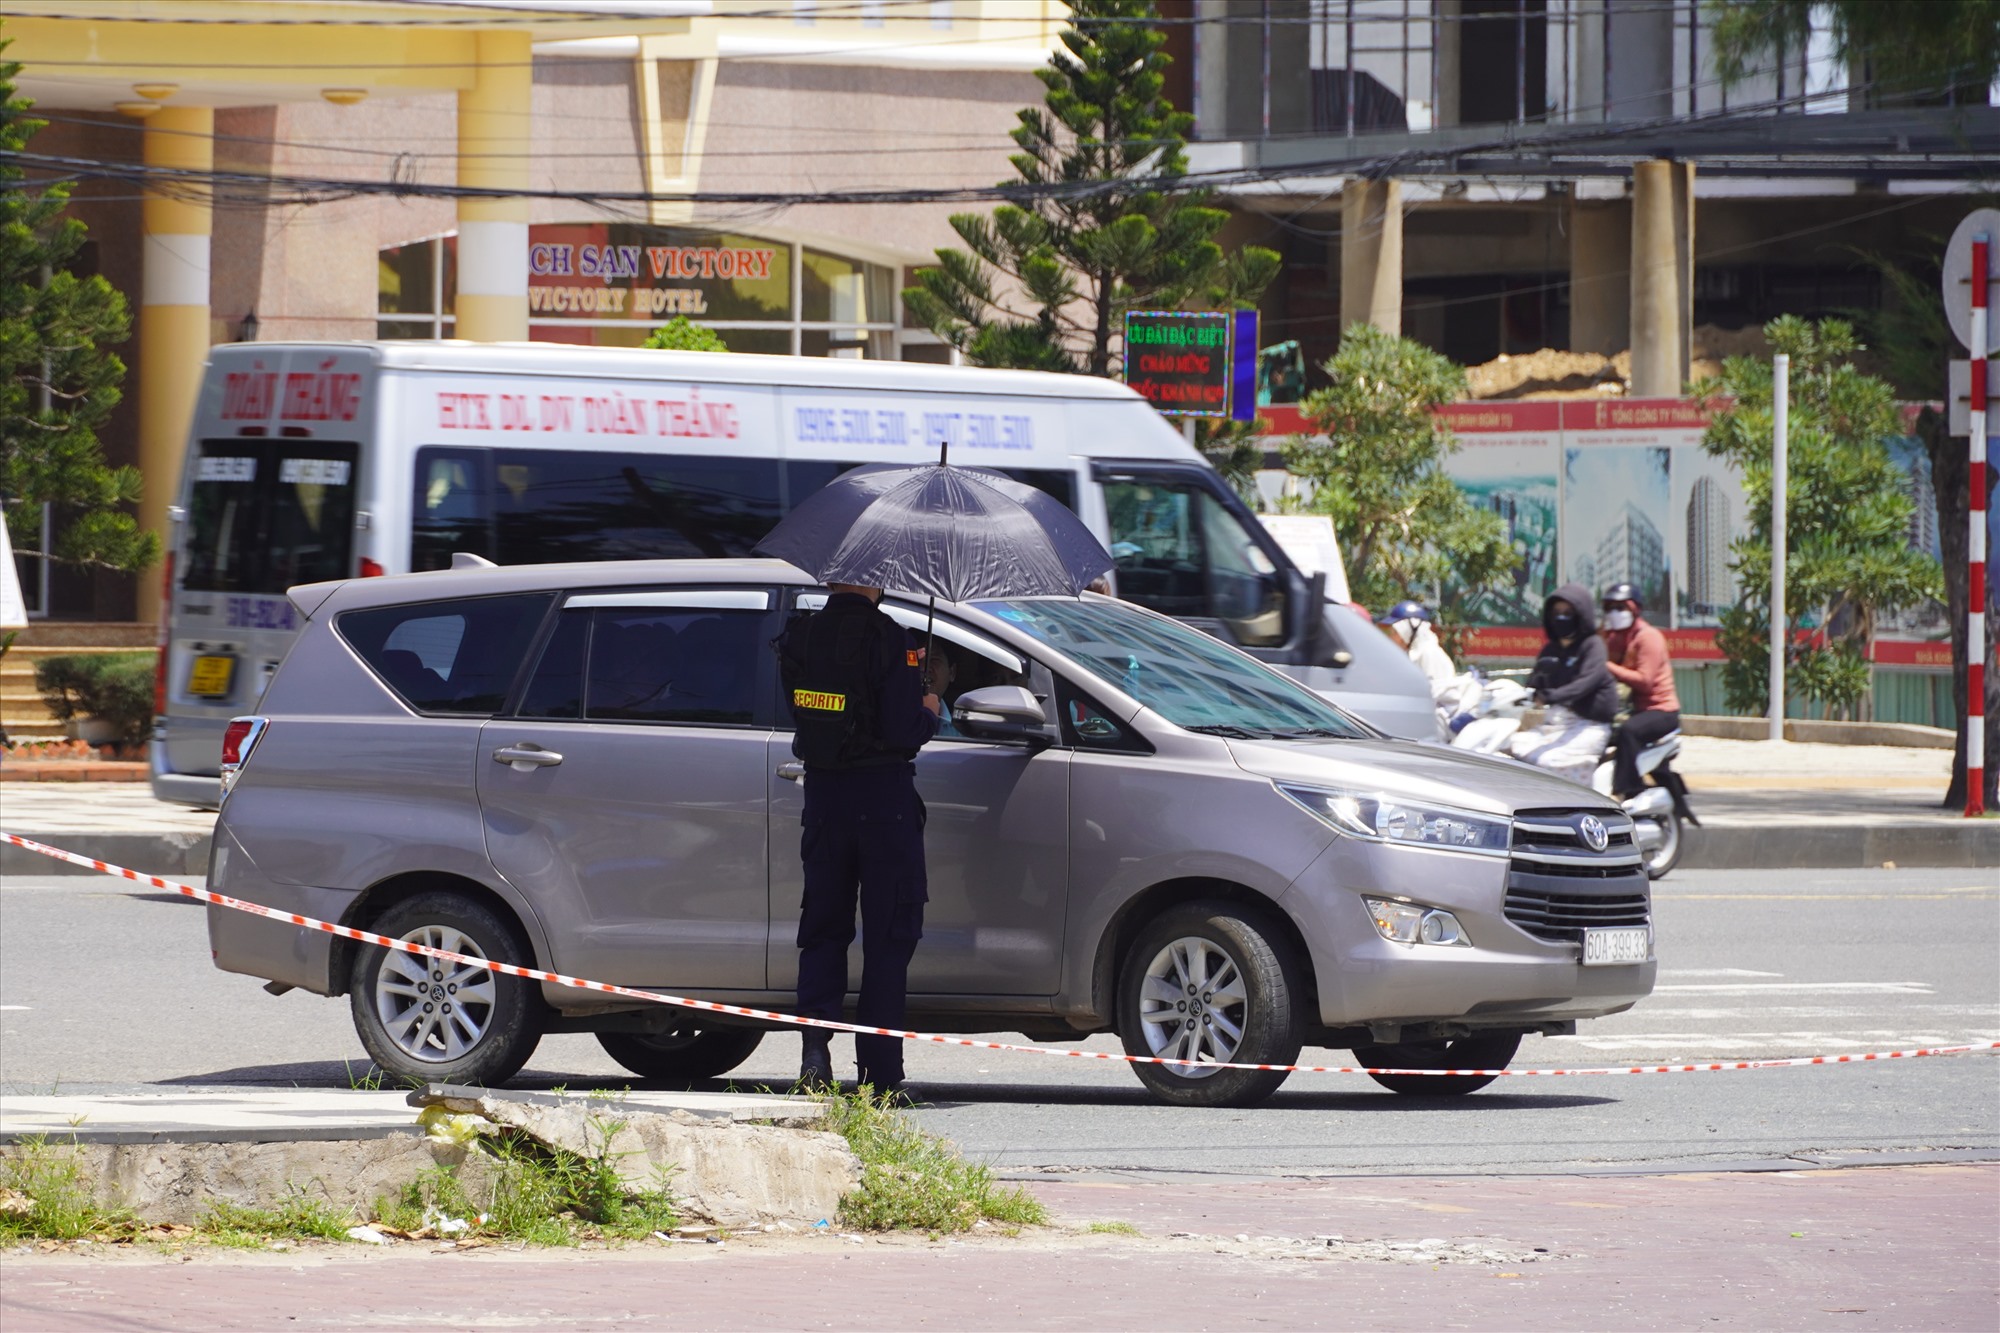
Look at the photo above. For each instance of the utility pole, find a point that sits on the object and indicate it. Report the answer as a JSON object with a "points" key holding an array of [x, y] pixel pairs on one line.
{"points": [[1781, 404]]}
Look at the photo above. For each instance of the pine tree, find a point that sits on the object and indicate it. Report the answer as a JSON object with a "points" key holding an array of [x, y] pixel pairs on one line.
{"points": [[57, 384], [1045, 286]]}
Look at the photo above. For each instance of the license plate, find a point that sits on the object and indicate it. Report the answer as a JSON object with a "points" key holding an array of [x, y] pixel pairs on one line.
{"points": [[211, 676], [1609, 946]]}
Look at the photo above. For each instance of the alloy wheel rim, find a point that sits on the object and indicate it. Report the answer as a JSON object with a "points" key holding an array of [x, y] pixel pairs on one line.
{"points": [[1193, 1005], [435, 1011], [1670, 841]]}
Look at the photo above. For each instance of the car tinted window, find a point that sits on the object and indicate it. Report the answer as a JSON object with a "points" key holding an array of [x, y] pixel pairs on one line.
{"points": [[556, 691], [448, 657], [673, 664]]}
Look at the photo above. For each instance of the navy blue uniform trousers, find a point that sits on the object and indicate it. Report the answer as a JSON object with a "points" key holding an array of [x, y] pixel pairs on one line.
{"points": [[863, 840]]}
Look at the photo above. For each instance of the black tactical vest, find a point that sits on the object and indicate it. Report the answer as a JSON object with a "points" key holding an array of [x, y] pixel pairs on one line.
{"points": [[833, 663]]}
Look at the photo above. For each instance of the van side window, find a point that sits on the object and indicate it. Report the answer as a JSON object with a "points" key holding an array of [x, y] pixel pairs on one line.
{"points": [[537, 506], [683, 664], [448, 657], [1181, 552]]}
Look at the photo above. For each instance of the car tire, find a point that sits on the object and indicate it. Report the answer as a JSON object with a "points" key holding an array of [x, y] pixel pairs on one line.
{"points": [[1243, 954], [684, 1054], [1481, 1050], [483, 1026]]}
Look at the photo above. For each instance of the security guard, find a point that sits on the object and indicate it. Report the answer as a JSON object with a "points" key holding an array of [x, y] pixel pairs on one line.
{"points": [[861, 713]]}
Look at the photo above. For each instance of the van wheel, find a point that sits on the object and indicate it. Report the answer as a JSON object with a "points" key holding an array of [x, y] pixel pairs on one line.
{"points": [[683, 1055], [1482, 1050], [1209, 982], [438, 1022]]}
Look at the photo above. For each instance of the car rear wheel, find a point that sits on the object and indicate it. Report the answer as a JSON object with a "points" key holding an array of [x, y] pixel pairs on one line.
{"points": [[442, 1022], [1482, 1050], [684, 1054], [1209, 982]]}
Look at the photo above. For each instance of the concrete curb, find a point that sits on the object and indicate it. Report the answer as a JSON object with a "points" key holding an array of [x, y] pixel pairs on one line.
{"points": [[1938, 843], [173, 854]]}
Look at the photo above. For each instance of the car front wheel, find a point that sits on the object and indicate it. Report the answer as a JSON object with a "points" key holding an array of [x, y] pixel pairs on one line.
{"points": [[426, 1019], [1209, 983], [684, 1054], [1482, 1050]]}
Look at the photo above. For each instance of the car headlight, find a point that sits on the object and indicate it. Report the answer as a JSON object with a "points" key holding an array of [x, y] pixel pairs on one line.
{"points": [[1387, 819], [1413, 923]]}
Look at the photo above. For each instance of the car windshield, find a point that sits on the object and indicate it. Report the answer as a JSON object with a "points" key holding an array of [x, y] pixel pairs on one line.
{"points": [[1180, 673]]}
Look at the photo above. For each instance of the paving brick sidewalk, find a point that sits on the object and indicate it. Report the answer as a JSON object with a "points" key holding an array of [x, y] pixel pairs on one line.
{"points": [[1860, 1249]]}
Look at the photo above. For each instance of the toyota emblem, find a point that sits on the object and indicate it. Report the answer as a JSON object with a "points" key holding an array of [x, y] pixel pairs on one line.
{"points": [[1594, 836]]}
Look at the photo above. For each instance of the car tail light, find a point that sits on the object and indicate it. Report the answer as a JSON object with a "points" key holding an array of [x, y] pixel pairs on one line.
{"points": [[237, 742], [166, 621], [371, 569]]}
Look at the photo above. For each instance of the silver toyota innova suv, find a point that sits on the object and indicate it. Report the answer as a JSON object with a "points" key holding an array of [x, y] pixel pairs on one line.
{"points": [[1133, 828]]}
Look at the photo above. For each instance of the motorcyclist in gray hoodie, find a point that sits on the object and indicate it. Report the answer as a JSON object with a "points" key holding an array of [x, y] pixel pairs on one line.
{"points": [[1575, 687]]}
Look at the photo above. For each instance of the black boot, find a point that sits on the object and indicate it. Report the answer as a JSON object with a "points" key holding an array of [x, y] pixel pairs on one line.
{"points": [[815, 1060]]}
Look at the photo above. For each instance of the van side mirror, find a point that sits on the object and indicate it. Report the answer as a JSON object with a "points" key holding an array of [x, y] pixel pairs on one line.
{"points": [[1343, 658], [1000, 713]]}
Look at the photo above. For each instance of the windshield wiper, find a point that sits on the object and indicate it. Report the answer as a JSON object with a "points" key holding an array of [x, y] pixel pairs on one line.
{"points": [[1296, 733], [1230, 730]]}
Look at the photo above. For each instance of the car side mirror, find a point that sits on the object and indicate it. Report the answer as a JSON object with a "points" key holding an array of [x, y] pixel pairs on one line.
{"points": [[1000, 713], [1343, 658]]}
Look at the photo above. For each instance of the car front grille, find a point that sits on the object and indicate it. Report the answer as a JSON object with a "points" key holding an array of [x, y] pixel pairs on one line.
{"points": [[1558, 884]]}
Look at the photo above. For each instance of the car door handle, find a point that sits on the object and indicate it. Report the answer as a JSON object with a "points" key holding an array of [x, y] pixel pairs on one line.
{"points": [[524, 757], [791, 770]]}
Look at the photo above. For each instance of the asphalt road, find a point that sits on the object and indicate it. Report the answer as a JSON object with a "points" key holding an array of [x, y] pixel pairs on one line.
{"points": [[111, 991]]}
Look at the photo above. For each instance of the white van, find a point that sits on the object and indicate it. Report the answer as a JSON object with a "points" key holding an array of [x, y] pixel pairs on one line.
{"points": [[316, 461]]}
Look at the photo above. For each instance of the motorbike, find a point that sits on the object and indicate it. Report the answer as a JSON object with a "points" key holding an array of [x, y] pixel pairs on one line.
{"points": [[1658, 813]]}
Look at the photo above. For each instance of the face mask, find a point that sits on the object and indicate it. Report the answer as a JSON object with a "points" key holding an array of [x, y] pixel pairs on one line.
{"points": [[1618, 620], [1562, 625]]}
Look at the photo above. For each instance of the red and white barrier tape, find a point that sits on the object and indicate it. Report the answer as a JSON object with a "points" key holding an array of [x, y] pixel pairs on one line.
{"points": [[766, 1015]]}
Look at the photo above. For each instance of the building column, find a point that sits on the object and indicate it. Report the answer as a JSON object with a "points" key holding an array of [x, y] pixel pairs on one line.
{"points": [[492, 300], [1662, 277], [1371, 255], [1600, 292], [173, 314]]}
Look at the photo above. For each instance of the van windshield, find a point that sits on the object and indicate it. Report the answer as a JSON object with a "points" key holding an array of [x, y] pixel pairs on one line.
{"points": [[264, 515], [1180, 673]]}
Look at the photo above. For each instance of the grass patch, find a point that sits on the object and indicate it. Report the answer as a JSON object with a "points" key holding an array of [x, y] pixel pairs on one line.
{"points": [[1111, 1229], [47, 1197], [915, 1181], [297, 1218], [534, 1193]]}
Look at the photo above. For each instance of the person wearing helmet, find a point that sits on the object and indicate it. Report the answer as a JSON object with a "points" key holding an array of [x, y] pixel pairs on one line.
{"points": [[1570, 681], [1412, 625], [1637, 658]]}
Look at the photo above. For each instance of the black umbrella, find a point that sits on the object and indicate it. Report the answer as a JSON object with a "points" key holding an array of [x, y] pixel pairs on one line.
{"points": [[950, 532]]}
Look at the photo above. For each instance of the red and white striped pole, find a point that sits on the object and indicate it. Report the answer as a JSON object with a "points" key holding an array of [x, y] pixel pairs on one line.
{"points": [[1975, 549]]}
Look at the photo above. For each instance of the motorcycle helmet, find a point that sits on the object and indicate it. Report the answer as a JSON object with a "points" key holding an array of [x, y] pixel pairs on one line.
{"points": [[1407, 609], [1623, 592]]}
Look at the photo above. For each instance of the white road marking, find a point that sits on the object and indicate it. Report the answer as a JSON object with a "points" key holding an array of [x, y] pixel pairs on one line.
{"points": [[12, 1007], [1807, 987], [1714, 972]]}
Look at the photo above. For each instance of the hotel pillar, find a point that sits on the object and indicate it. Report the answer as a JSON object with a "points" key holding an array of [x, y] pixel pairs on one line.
{"points": [[1371, 255], [493, 117], [1662, 277], [173, 312]]}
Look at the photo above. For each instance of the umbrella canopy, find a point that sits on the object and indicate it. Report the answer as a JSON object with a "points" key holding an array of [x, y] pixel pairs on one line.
{"points": [[955, 533]]}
